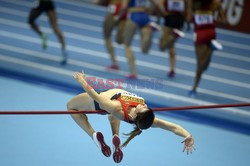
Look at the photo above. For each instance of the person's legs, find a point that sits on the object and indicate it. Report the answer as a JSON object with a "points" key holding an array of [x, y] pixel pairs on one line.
{"points": [[115, 125], [54, 25], [120, 30], [146, 39], [129, 31], [59, 34], [108, 27], [85, 102], [203, 55], [167, 41], [33, 15], [172, 59], [82, 102]]}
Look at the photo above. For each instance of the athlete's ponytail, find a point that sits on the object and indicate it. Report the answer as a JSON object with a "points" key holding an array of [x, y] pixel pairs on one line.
{"points": [[131, 135], [142, 121]]}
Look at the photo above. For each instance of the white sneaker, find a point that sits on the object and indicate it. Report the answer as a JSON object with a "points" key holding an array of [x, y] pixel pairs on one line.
{"points": [[216, 45], [179, 33], [155, 26]]}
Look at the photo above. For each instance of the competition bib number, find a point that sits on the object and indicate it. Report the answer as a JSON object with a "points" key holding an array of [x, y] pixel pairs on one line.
{"points": [[126, 96], [176, 5], [203, 19]]}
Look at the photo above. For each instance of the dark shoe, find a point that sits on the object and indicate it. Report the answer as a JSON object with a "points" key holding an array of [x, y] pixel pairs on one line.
{"points": [[64, 57], [192, 93], [171, 74]]}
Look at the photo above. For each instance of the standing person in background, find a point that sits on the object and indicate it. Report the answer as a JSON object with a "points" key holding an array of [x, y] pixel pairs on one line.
{"points": [[174, 17], [205, 35], [48, 7], [109, 24], [138, 18]]}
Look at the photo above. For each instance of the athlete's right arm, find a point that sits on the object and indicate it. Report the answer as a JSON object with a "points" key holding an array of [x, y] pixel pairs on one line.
{"points": [[107, 104]]}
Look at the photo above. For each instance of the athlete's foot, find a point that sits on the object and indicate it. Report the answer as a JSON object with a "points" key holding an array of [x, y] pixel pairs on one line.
{"points": [[171, 74], [44, 40], [113, 67], [178, 33], [99, 140], [64, 57], [215, 45], [131, 77], [192, 93], [117, 155], [154, 26]]}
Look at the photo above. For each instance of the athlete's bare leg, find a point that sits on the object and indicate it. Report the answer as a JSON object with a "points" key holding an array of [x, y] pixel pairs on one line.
{"points": [[82, 102], [203, 55], [146, 39], [55, 27]]}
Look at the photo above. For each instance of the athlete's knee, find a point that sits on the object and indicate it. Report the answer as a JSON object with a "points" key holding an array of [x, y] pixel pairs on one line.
{"points": [[70, 105]]}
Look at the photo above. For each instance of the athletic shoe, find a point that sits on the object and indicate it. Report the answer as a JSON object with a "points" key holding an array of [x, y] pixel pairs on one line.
{"points": [[155, 26], [131, 77], [215, 45], [117, 155], [64, 57], [178, 33], [44, 40], [99, 140], [192, 93], [113, 67], [171, 74]]}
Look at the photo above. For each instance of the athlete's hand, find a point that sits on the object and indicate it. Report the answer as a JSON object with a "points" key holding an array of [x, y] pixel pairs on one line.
{"points": [[79, 77], [188, 144]]}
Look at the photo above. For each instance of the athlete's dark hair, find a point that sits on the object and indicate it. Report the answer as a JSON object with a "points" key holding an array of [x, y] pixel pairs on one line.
{"points": [[142, 121]]}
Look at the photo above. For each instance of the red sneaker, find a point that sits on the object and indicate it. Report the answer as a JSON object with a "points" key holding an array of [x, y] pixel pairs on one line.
{"points": [[99, 140], [171, 74], [117, 155], [131, 77], [114, 67]]}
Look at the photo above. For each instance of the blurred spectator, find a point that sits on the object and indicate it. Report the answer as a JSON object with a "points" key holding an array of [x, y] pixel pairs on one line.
{"points": [[48, 7], [205, 35]]}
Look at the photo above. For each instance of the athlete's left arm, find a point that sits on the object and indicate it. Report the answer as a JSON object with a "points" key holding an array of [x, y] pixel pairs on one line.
{"points": [[178, 130], [107, 104]]}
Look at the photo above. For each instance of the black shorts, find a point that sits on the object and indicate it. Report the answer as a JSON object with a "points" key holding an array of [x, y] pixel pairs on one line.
{"points": [[174, 20], [45, 5], [97, 106]]}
